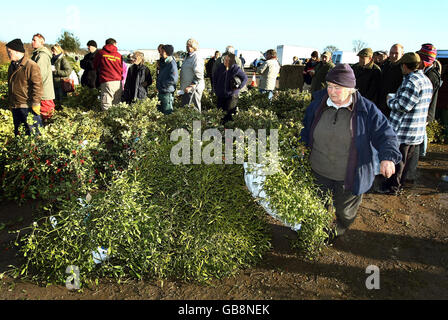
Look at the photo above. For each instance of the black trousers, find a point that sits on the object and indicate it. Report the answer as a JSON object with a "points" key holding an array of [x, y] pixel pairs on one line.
{"points": [[395, 182], [228, 105], [20, 115], [345, 203]]}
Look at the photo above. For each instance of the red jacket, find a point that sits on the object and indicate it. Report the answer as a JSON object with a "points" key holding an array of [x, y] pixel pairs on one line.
{"points": [[109, 64]]}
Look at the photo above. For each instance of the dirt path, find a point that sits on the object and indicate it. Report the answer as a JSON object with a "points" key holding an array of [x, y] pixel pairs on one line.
{"points": [[406, 237]]}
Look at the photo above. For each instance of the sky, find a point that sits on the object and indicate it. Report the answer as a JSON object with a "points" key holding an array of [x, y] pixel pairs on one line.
{"points": [[247, 25]]}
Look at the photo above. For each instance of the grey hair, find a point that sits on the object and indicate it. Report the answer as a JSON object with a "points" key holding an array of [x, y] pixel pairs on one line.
{"points": [[193, 43], [139, 54], [230, 49]]}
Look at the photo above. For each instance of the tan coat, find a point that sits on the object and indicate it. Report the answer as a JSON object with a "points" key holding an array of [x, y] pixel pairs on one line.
{"points": [[42, 57], [25, 86], [269, 72]]}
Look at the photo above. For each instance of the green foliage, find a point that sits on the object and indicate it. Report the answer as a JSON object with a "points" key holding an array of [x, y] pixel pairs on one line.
{"points": [[73, 63], [157, 220], [253, 97], [152, 91], [84, 99], [297, 200], [255, 118], [56, 164], [436, 132], [4, 72], [6, 128], [68, 41], [290, 104], [4, 86]]}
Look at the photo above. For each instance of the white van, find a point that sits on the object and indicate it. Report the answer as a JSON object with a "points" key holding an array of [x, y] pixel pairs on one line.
{"points": [[349, 57]]}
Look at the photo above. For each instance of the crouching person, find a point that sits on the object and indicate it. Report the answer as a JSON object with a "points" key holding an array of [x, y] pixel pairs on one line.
{"points": [[341, 128], [167, 79], [25, 88]]}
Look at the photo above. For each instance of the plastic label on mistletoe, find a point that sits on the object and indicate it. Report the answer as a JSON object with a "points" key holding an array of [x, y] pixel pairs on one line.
{"points": [[255, 176], [53, 222], [100, 255]]}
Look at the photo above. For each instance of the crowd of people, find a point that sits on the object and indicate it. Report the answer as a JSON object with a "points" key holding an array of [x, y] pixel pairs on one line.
{"points": [[366, 124]]}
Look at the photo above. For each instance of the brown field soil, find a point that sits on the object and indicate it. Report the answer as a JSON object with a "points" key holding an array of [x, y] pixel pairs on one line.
{"points": [[405, 236]]}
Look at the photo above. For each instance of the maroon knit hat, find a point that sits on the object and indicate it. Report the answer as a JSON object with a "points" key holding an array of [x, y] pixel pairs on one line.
{"points": [[343, 75]]}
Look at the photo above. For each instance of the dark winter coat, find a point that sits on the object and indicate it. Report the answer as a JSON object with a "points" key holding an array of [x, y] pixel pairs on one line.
{"points": [[209, 67], [63, 69], [168, 76], [368, 80], [318, 81], [89, 77], [391, 79], [435, 77], [138, 80], [371, 130], [222, 81]]}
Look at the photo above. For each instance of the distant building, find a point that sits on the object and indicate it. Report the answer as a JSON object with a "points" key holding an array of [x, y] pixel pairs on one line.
{"points": [[206, 53], [151, 55]]}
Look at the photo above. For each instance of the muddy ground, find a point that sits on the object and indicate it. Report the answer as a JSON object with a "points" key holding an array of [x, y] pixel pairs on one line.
{"points": [[405, 236]]}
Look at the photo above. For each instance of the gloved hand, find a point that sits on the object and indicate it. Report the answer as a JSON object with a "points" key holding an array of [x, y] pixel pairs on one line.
{"points": [[36, 109]]}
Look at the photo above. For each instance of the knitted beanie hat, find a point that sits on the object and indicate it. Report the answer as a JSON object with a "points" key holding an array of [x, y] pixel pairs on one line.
{"points": [[343, 75], [16, 45], [428, 53]]}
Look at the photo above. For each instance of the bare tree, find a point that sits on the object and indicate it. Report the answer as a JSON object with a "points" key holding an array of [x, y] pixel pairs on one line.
{"points": [[358, 45], [331, 48]]}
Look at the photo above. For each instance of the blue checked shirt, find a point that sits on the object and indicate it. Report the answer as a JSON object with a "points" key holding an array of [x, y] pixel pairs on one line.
{"points": [[409, 108]]}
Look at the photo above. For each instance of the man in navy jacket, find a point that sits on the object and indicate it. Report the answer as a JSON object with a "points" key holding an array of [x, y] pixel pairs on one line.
{"points": [[167, 79]]}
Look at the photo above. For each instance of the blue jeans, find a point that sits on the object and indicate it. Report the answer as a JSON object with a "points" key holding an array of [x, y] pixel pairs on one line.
{"points": [[270, 93], [20, 115]]}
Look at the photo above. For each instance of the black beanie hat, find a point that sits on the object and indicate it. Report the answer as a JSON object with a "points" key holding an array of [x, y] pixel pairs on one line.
{"points": [[16, 45], [92, 43], [169, 49], [343, 75]]}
